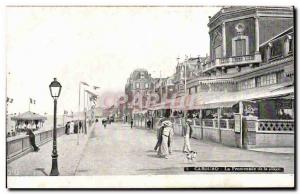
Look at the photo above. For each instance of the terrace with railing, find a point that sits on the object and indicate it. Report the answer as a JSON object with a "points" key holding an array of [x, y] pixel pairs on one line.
{"points": [[232, 61]]}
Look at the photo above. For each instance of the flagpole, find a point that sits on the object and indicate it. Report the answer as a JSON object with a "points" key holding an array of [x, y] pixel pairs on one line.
{"points": [[78, 113]]}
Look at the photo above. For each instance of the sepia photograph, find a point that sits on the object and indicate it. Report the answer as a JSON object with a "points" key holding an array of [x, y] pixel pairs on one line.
{"points": [[165, 97]]}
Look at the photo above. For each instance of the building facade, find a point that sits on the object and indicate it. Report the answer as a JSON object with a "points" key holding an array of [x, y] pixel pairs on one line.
{"points": [[139, 86], [242, 95]]}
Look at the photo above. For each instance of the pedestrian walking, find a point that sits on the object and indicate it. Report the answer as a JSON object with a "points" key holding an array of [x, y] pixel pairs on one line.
{"points": [[170, 140], [32, 140], [71, 128], [80, 126], [76, 127], [163, 150], [104, 122], [148, 123], [159, 137], [187, 134], [131, 123], [67, 128], [159, 129]]}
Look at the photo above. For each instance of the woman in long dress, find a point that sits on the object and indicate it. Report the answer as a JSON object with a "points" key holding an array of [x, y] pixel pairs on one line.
{"points": [[187, 134], [159, 134], [166, 132]]}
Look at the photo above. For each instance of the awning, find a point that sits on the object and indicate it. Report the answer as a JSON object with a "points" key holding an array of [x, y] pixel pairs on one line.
{"points": [[179, 103], [217, 105], [135, 111], [29, 116], [227, 99]]}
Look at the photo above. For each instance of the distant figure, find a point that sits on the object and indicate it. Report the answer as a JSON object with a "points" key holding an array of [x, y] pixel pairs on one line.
{"points": [[104, 122], [131, 123], [148, 124], [32, 140], [67, 128], [76, 127], [80, 126], [71, 127]]}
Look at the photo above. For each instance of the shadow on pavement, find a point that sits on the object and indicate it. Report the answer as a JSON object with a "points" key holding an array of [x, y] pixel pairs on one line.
{"points": [[153, 156], [42, 170]]}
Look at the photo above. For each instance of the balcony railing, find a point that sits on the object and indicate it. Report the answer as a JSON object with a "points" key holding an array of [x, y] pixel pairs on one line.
{"points": [[232, 61]]}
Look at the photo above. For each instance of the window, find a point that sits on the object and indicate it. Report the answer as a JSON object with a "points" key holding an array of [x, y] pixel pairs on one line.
{"points": [[146, 85], [137, 85], [240, 47], [288, 45], [268, 53], [266, 80], [218, 52], [142, 75], [276, 49], [280, 76], [246, 84]]}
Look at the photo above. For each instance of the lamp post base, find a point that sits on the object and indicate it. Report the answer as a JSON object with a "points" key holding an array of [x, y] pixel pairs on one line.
{"points": [[54, 169]]}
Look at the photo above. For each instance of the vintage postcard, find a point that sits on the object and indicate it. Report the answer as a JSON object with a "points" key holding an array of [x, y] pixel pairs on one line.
{"points": [[150, 96]]}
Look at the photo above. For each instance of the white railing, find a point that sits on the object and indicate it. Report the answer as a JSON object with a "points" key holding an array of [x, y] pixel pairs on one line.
{"points": [[270, 125], [224, 123]]}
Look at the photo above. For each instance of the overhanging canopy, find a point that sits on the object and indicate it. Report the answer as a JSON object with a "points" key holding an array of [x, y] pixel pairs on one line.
{"points": [[29, 116], [217, 105]]}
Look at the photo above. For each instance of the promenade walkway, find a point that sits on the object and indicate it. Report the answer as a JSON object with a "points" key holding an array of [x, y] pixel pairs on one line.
{"points": [[119, 150]]}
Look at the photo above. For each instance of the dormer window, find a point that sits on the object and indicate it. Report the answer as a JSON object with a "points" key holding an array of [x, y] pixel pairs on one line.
{"points": [[142, 75], [269, 51], [287, 45]]}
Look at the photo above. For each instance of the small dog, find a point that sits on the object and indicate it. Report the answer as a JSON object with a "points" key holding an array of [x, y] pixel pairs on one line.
{"points": [[191, 156]]}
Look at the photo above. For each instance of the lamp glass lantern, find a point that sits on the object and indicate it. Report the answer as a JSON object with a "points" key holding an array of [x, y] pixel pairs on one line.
{"points": [[55, 88]]}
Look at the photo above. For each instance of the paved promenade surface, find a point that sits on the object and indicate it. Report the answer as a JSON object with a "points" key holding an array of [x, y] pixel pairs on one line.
{"points": [[119, 150]]}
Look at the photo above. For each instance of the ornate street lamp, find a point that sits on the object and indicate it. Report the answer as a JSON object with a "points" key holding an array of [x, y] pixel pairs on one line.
{"points": [[55, 89]]}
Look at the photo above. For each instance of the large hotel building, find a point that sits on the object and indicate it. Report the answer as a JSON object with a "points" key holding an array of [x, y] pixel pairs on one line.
{"points": [[242, 94]]}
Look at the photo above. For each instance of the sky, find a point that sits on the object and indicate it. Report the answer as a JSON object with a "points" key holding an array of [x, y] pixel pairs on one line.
{"points": [[97, 45]]}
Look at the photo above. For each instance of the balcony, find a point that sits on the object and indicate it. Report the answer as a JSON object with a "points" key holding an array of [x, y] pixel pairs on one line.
{"points": [[232, 61]]}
